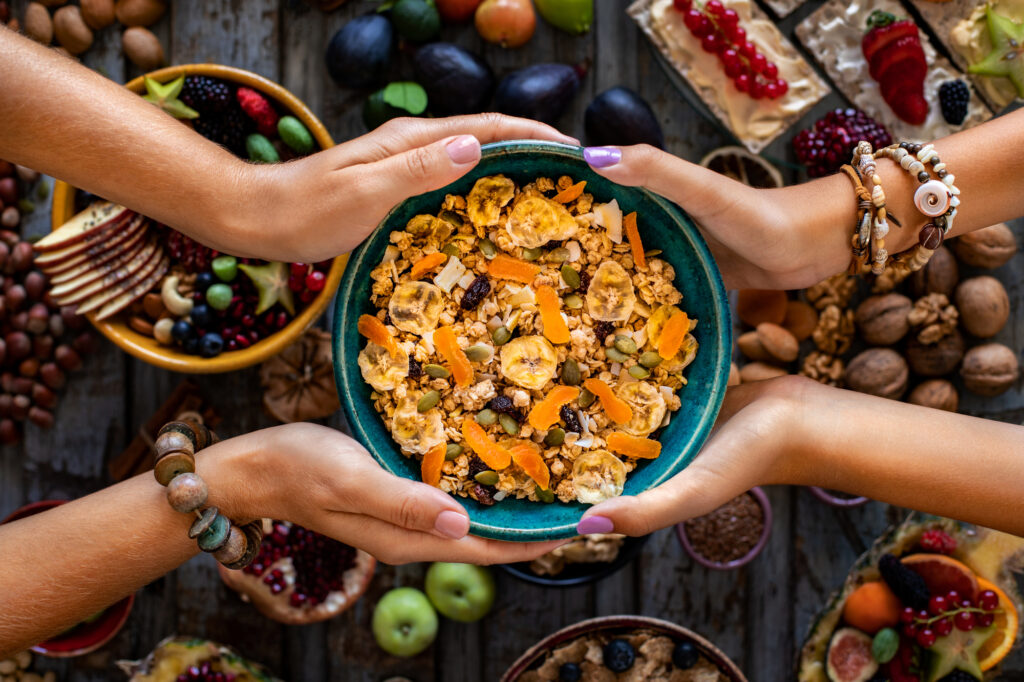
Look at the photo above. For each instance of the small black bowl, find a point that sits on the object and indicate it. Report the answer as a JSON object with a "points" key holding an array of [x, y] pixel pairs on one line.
{"points": [[574, 575]]}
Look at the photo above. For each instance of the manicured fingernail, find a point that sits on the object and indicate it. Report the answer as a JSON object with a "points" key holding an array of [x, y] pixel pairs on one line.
{"points": [[464, 149], [595, 524], [602, 157], [452, 524]]}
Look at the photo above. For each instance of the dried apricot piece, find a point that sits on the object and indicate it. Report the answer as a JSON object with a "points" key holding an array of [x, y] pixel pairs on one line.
{"points": [[448, 346], [426, 264], [555, 328], [633, 446], [492, 454], [617, 409], [373, 329], [528, 457], [633, 235], [504, 266], [545, 413], [430, 468], [673, 334], [570, 193]]}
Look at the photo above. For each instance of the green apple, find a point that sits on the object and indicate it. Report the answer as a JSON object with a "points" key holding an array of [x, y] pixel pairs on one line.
{"points": [[462, 592], [404, 622]]}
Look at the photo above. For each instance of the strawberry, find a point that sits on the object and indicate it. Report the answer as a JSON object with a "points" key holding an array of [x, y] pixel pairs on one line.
{"points": [[896, 60], [880, 35], [907, 49], [938, 541]]}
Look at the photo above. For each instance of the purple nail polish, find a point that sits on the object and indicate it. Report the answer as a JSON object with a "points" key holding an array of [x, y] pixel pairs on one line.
{"points": [[602, 157], [595, 524]]}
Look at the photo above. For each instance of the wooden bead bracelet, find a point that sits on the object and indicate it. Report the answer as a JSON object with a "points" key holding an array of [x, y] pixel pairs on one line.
{"points": [[175, 451]]}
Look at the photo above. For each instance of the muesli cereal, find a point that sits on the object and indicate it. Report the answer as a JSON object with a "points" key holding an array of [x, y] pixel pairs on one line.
{"points": [[524, 344]]}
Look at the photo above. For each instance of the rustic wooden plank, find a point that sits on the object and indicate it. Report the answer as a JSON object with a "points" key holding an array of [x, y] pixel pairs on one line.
{"points": [[242, 33]]}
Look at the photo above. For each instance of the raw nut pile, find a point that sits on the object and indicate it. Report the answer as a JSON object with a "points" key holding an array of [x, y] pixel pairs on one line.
{"points": [[17, 668]]}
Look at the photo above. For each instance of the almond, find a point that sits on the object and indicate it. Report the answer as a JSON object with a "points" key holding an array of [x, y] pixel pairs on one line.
{"points": [[750, 345], [760, 371], [98, 13], [71, 31], [779, 342], [142, 48], [38, 24], [139, 12]]}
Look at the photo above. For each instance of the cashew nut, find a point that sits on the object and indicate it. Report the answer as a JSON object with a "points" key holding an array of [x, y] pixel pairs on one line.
{"points": [[162, 331], [174, 302]]}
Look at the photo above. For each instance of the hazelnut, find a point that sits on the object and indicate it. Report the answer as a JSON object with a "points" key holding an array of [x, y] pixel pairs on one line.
{"points": [[44, 397], [937, 393], [67, 358], [801, 319], [882, 320], [989, 369], [51, 375], [38, 24], [778, 342], [98, 13], [40, 417], [139, 12], [734, 375], [9, 432], [35, 285], [938, 276], [21, 257], [755, 306], [878, 371], [10, 217], [984, 306], [936, 359], [143, 48], [71, 30], [759, 371], [751, 348], [987, 248]]}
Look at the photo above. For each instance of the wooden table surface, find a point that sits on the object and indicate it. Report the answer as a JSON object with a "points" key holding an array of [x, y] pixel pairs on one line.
{"points": [[757, 615]]}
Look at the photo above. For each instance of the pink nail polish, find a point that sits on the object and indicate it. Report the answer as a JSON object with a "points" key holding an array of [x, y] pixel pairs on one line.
{"points": [[464, 149], [602, 157], [595, 524], [451, 524]]}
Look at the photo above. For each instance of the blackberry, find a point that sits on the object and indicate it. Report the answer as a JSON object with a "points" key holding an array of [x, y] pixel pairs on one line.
{"points": [[415, 369], [954, 98], [228, 129], [907, 585], [207, 95], [572, 422], [830, 143], [602, 330], [501, 404], [618, 655]]}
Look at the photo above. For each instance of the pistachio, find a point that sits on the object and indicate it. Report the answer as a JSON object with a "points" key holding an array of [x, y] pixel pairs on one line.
{"points": [[488, 248], [625, 344], [554, 437], [487, 477], [486, 417], [532, 254], [559, 255], [501, 336], [436, 371], [453, 451], [571, 375], [428, 401], [570, 276], [586, 399], [573, 301], [639, 372], [479, 352], [545, 495], [650, 359], [615, 355], [509, 423]]}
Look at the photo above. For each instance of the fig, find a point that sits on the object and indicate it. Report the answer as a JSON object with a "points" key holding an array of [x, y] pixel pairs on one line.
{"points": [[416, 20], [359, 54], [456, 80], [619, 116], [457, 11], [572, 16], [541, 92], [849, 657], [509, 23]]}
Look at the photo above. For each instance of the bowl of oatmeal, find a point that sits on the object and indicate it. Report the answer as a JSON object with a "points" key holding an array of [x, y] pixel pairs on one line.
{"points": [[532, 339]]}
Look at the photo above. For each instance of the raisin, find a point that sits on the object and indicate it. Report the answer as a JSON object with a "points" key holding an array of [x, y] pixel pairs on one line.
{"points": [[387, 318], [602, 330], [476, 465], [415, 369], [475, 293], [584, 282], [572, 422], [484, 494], [501, 404]]}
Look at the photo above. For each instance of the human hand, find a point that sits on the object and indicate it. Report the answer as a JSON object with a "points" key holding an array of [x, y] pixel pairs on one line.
{"points": [[323, 480]]}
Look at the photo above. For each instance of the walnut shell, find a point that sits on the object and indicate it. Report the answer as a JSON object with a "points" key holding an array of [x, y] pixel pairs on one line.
{"points": [[750, 346], [755, 306], [984, 306], [759, 371], [299, 382], [937, 393], [882, 320], [936, 359], [71, 30], [938, 276], [987, 248], [878, 371], [779, 343], [801, 319], [990, 369]]}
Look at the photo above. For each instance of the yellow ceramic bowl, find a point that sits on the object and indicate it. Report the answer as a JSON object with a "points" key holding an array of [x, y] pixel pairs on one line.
{"points": [[146, 348]]}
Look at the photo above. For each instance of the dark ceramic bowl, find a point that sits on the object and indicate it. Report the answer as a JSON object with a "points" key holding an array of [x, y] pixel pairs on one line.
{"points": [[83, 638], [766, 506], [662, 224], [574, 575], [534, 656]]}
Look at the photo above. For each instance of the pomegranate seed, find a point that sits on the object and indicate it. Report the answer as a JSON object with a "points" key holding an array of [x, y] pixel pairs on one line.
{"points": [[298, 269], [316, 280]]}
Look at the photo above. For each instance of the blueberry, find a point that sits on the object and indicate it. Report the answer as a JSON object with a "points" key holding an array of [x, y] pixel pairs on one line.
{"points": [[570, 672], [204, 280], [182, 331], [201, 315], [685, 655], [211, 345], [191, 345], [619, 655]]}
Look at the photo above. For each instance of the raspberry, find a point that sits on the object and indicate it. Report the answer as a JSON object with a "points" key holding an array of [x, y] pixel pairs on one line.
{"points": [[206, 95], [905, 583], [954, 98], [259, 110], [829, 144], [938, 541]]}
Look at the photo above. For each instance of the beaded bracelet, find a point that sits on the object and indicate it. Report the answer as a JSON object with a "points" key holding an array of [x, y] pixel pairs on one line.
{"points": [[860, 241], [176, 446]]}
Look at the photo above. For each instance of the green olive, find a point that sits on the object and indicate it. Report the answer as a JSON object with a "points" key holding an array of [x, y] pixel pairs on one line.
{"points": [[428, 401]]}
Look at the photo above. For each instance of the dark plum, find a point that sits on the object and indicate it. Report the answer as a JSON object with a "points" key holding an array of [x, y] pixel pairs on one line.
{"points": [[359, 54], [621, 117], [456, 80], [541, 92]]}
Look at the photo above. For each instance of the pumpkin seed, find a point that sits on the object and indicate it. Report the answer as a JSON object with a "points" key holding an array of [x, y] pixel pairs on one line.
{"points": [[615, 355], [509, 423], [650, 359], [639, 372], [487, 477], [555, 437], [586, 399], [436, 371], [532, 254], [651, 253], [428, 401], [571, 373], [479, 353], [559, 255], [570, 276], [451, 250], [625, 344], [545, 495], [488, 248], [453, 451], [501, 336], [573, 302], [452, 217], [486, 417]]}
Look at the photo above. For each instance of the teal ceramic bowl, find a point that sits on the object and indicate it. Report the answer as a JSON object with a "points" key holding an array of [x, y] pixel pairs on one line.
{"points": [[662, 225]]}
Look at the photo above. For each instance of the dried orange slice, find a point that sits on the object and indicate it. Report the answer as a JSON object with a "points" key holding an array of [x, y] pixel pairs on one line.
{"points": [[528, 457], [617, 409], [555, 328], [633, 235], [503, 266], [492, 454], [448, 346], [999, 645], [673, 334], [633, 446], [571, 193], [426, 264], [545, 413], [373, 329], [430, 468]]}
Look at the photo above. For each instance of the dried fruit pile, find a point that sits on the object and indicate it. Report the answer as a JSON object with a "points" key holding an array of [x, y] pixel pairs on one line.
{"points": [[481, 350]]}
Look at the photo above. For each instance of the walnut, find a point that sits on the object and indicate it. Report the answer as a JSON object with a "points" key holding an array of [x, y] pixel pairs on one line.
{"points": [[299, 382], [759, 371], [834, 331], [878, 371], [990, 369], [800, 320], [823, 368], [933, 318], [778, 342], [988, 248], [836, 290], [755, 306], [939, 275], [936, 359], [937, 393], [882, 320], [984, 306]]}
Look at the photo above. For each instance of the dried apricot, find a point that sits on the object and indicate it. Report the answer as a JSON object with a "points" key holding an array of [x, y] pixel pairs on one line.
{"points": [[545, 413], [673, 334], [430, 468], [633, 235], [617, 409], [492, 454], [555, 328], [448, 346], [529, 459], [373, 329], [871, 607], [426, 264], [571, 193], [633, 446], [507, 267]]}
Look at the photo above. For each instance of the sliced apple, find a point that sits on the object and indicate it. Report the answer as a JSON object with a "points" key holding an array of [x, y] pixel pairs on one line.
{"points": [[82, 226], [134, 241], [101, 273], [100, 292], [136, 292], [68, 256]]}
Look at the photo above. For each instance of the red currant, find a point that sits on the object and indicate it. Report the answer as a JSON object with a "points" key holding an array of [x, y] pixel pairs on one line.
{"points": [[714, 7], [315, 280], [748, 49], [297, 282], [910, 630], [682, 5], [729, 18], [770, 71], [758, 63], [771, 91], [711, 43], [988, 600], [964, 621], [299, 269], [985, 619], [756, 89], [923, 615], [937, 605], [692, 19], [783, 87], [926, 638], [943, 626], [742, 82], [907, 615], [953, 597], [705, 27], [737, 34]]}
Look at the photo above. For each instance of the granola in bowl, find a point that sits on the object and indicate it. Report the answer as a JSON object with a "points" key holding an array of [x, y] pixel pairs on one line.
{"points": [[523, 344]]}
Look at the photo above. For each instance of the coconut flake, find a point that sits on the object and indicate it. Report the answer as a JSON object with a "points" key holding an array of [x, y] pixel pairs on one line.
{"points": [[493, 323], [666, 392], [500, 495], [450, 274], [616, 368], [609, 216], [640, 337], [585, 442], [428, 341], [522, 296], [394, 271], [390, 254], [574, 251], [467, 279]]}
